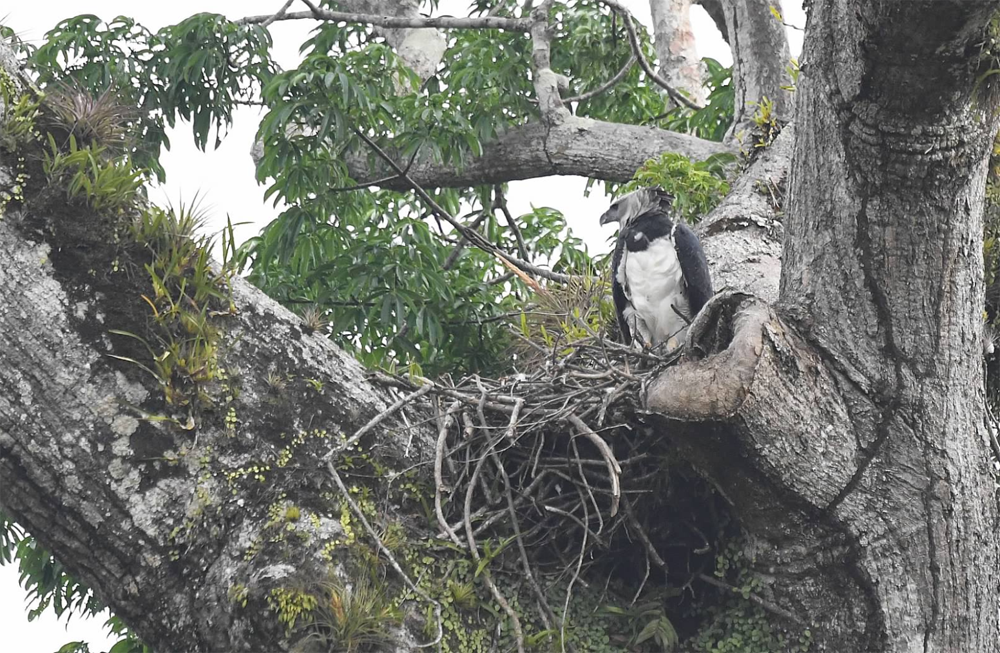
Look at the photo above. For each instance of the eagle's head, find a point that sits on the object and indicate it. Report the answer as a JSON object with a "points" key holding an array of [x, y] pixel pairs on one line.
{"points": [[628, 207]]}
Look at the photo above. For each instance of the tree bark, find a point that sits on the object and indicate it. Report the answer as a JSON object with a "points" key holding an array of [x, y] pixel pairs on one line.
{"points": [[421, 49], [142, 510], [157, 519], [901, 136], [856, 406], [675, 46], [760, 60], [574, 146]]}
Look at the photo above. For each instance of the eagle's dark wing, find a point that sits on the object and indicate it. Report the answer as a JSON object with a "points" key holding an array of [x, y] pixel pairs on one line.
{"points": [[618, 292], [694, 267]]}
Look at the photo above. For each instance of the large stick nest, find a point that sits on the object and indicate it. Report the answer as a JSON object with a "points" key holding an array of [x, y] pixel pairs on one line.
{"points": [[563, 463]]}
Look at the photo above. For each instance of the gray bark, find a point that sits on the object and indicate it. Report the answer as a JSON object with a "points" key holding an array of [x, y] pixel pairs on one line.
{"points": [[905, 147], [164, 543], [676, 51], [421, 49], [760, 58], [574, 146], [742, 236], [856, 405]]}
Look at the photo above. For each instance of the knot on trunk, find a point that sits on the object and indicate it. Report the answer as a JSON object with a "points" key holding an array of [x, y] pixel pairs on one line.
{"points": [[724, 345]]}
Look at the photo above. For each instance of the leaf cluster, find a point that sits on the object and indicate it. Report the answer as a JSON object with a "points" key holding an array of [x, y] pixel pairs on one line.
{"points": [[50, 586], [189, 292], [712, 121], [355, 616], [108, 184], [379, 277], [197, 70], [697, 187]]}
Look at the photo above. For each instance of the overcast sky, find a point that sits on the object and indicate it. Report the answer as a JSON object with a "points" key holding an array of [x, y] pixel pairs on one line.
{"points": [[224, 178]]}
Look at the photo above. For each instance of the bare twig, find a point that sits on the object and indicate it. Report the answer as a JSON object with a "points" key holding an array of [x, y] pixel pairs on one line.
{"points": [[606, 86], [633, 40], [614, 469], [472, 236], [415, 22], [547, 613], [278, 15], [439, 485], [501, 202], [377, 182], [590, 492], [375, 421], [455, 253], [640, 532], [474, 549], [576, 575]]}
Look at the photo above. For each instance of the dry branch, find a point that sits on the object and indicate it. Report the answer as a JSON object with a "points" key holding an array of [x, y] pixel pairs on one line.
{"points": [[384, 550], [394, 22], [469, 234], [633, 40], [603, 88]]}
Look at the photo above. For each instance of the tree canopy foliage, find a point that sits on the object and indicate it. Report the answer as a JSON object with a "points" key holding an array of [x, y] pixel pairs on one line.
{"points": [[369, 261]]}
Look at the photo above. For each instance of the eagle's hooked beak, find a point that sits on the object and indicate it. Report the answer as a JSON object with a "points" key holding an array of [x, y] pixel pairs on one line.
{"points": [[611, 215]]}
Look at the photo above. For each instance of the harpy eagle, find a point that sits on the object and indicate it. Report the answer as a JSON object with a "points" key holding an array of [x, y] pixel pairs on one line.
{"points": [[659, 275]]}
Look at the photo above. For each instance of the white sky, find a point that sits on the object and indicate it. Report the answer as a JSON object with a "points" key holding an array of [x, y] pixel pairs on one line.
{"points": [[224, 179]]}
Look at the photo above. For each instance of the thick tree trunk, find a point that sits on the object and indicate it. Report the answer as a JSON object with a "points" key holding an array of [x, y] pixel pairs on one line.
{"points": [[168, 524], [883, 273], [857, 408], [675, 46]]}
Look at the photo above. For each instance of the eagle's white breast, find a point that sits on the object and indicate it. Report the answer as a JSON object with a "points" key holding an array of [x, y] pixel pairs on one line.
{"points": [[653, 281]]}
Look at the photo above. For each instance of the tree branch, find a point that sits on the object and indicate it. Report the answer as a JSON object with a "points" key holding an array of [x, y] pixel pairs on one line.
{"points": [[500, 202], [577, 146], [278, 15], [760, 60], [455, 253], [743, 235], [546, 82], [471, 235], [676, 50], [603, 88], [395, 22], [633, 40]]}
